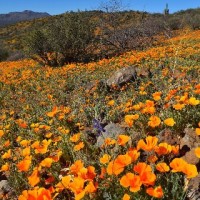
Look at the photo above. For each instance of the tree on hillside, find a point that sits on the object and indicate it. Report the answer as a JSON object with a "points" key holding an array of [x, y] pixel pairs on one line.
{"points": [[38, 46], [72, 35], [3, 53], [118, 34], [63, 41]]}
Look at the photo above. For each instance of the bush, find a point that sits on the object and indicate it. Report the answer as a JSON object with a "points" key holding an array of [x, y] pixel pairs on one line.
{"points": [[38, 46], [66, 40], [3, 54]]}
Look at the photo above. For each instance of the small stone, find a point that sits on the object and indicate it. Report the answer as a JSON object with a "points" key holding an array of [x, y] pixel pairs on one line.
{"points": [[112, 130], [4, 187]]}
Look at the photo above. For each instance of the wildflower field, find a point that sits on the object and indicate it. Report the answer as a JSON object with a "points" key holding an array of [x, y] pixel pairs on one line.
{"points": [[51, 119]]}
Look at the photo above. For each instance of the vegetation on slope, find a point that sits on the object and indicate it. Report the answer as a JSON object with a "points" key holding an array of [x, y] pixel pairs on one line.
{"points": [[113, 32]]}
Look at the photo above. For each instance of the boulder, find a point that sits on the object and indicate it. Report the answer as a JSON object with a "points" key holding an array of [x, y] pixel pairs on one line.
{"points": [[122, 76], [4, 187], [112, 130]]}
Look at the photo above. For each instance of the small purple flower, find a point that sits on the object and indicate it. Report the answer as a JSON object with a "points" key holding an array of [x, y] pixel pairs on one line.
{"points": [[98, 126]]}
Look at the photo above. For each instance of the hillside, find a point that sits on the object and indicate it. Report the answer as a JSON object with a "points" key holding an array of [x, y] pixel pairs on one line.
{"points": [[12, 37], [67, 133], [14, 17]]}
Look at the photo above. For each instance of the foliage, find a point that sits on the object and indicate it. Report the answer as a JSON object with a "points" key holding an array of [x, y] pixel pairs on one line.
{"points": [[3, 53], [66, 40], [115, 32]]}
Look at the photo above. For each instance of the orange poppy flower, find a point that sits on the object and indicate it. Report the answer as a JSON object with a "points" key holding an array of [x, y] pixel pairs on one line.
{"points": [[79, 146], [53, 112], [46, 162], [36, 194], [23, 125], [134, 154], [129, 119], [109, 141], [150, 144], [75, 137], [169, 122], [77, 185], [193, 101], [126, 197], [87, 173], [149, 110], [162, 167], [142, 167], [90, 187], [155, 192], [175, 149], [190, 170], [177, 164], [148, 178], [4, 167], [26, 151], [105, 159], [25, 143], [80, 195], [156, 96], [178, 106], [34, 178], [42, 147], [117, 166], [76, 167], [123, 139], [24, 165], [6, 155], [111, 103], [103, 172], [131, 180], [64, 184], [197, 152], [163, 149], [138, 106], [154, 121], [149, 103], [1, 133], [197, 130]]}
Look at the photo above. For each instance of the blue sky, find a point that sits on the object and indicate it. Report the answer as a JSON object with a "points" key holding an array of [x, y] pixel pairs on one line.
{"points": [[61, 6]]}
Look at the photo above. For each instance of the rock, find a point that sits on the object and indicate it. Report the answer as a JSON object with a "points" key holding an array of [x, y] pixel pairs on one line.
{"points": [[190, 140], [193, 194], [111, 131], [194, 183], [187, 146], [193, 187], [168, 136], [4, 187], [122, 76], [190, 157]]}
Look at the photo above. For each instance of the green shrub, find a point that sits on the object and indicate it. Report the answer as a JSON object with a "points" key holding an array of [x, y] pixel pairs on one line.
{"points": [[3, 54], [68, 39]]}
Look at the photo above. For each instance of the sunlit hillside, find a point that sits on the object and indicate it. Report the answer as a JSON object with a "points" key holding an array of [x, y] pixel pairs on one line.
{"points": [[55, 141]]}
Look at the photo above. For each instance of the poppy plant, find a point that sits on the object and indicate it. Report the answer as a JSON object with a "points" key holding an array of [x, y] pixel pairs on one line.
{"points": [[156, 192], [151, 142], [131, 180], [123, 139], [154, 121], [169, 122], [117, 166]]}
